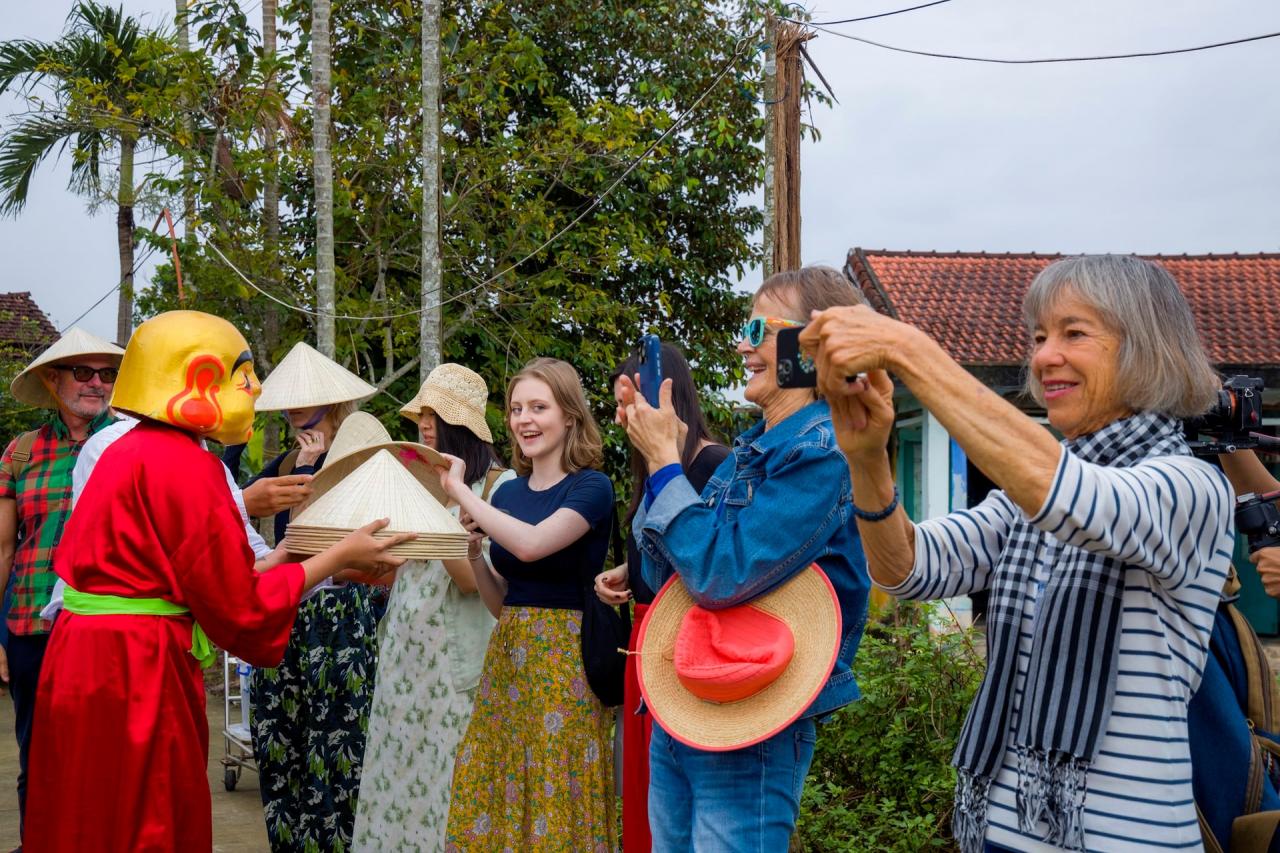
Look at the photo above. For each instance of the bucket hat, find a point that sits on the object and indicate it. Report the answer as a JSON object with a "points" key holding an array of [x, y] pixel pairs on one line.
{"points": [[726, 679], [457, 394], [304, 378], [76, 343]]}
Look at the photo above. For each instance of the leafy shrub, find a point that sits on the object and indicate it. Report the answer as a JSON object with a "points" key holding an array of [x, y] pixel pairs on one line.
{"points": [[881, 777]]}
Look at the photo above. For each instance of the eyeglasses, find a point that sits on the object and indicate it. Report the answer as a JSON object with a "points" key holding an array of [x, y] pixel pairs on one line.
{"points": [[754, 329], [83, 373]]}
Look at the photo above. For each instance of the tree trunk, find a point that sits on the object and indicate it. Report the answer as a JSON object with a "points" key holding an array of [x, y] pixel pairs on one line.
{"points": [[124, 241], [770, 143], [270, 214], [189, 167], [432, 283], [323, 175]]}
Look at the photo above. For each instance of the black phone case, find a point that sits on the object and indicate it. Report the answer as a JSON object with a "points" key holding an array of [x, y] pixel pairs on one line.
{"points": [[795, 369]]}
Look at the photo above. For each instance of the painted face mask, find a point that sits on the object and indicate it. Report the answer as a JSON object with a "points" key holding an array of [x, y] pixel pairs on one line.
{"points": [[191, 370]]}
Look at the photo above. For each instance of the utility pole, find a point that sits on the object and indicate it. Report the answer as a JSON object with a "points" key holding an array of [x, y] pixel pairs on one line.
{"points": [[784, 84], [322, 172], [432, 278]]}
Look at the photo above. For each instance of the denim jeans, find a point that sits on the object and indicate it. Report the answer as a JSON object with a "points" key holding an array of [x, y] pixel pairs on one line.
{"points": [[741, 801], [26, 656]]}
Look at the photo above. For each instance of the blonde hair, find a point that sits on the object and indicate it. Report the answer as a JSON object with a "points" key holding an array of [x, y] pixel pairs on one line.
{"points": [[583, 447]]}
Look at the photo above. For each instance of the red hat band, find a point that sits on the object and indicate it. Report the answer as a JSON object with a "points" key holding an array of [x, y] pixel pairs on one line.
{"points": [[724, 656]]}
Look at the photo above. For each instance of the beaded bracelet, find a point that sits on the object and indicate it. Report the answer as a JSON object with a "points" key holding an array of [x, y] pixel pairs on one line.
{"points": [[877, 516]]}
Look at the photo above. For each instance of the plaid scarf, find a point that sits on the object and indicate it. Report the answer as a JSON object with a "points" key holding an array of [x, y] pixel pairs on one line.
{"points": [[1071, 676]]}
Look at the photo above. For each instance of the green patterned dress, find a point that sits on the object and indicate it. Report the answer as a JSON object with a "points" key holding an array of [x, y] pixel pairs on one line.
{"points": [[429, 663]]}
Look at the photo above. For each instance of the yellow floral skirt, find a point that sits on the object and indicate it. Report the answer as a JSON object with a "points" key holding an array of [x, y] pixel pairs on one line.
{"points": [[534, 772]]}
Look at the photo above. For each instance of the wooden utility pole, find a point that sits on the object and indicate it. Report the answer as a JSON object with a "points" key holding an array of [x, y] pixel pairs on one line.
{"points": [[432, 277], [784, 84], [322, 171]]}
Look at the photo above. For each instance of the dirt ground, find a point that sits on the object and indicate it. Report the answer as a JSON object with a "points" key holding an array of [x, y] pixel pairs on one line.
{"points": [[237, 816]]}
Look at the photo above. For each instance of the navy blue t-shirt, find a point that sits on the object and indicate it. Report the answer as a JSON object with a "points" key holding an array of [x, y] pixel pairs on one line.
{"points": [[555, 581]]}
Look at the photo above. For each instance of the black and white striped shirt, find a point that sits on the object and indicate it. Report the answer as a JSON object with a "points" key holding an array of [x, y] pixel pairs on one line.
{"points": [[1169, 520]]}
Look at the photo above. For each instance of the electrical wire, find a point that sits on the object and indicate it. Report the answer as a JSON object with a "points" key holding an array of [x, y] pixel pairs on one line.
{"points": [[866, 17], [653, 146], [1041, 61]]}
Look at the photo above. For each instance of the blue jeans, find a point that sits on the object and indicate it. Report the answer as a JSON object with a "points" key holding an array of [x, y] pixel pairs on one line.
{"points": [[744, 801]]}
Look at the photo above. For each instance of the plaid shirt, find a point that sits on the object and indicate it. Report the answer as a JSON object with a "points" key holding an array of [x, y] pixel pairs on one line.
{"points": [[43, 495]]}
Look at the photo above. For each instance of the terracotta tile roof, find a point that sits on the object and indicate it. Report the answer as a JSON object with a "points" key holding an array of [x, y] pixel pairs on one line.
{"points": [[971, 301], [23, 323]]}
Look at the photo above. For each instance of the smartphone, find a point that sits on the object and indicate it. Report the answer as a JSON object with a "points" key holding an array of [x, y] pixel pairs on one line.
{"points": [[649, 349], [795, 369]]}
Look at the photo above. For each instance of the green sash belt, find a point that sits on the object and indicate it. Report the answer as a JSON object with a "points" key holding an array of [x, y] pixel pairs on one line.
{"points": [[92, 604]]}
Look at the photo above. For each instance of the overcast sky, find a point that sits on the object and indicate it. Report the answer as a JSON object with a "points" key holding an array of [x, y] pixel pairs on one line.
{"points": [[1168, 154]]}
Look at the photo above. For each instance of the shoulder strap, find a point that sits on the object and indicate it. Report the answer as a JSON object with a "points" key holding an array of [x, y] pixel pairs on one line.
{"points": [[287, 463], [21, 456], [1264, 696], [490, 477]]}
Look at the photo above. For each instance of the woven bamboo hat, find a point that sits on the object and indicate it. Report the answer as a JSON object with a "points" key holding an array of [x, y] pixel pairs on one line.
{"points": [[76, 343], [359, 437], [379, 488], [726, 679], [305, 378], [457, 395]]}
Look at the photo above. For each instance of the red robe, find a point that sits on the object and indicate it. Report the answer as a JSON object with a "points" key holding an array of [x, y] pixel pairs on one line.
{"points": [[121, 741]]}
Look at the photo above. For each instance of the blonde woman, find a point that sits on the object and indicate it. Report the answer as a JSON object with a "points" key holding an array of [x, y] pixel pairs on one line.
{"points": [[311, 711], [435, 634], [533, 772]]}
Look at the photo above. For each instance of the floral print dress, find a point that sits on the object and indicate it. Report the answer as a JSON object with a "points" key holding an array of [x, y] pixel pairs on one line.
{"points": [[429, 662]]}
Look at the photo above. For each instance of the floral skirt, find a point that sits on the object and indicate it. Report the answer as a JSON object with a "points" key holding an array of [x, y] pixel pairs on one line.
{"points": [[534, 772], [309, 720]]}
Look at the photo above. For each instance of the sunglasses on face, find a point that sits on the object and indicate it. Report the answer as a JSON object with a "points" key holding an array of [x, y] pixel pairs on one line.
{"points": [[754, 330], [83, 373]]}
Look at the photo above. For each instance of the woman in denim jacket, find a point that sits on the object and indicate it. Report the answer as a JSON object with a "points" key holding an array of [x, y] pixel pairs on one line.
{"points": [[780, 502]]}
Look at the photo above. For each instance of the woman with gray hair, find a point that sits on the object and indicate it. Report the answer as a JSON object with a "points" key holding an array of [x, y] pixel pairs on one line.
{"points": [[1104, 553]]}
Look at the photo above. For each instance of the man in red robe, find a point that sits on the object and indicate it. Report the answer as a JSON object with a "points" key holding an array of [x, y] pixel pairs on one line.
{"points": [[155, 557]]}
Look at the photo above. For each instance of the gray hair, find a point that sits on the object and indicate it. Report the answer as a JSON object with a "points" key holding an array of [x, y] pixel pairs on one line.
{"points": [[1162, 366]]}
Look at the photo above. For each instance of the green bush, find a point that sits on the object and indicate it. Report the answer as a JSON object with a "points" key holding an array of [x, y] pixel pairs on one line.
{"points": [[881, 777]]}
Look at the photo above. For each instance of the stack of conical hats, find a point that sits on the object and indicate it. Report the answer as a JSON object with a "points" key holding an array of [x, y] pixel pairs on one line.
{"points": [[363, 480]]}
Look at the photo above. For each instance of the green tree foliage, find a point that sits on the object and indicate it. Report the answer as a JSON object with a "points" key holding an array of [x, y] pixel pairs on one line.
{"points": [[544, 106], [881, 777]]}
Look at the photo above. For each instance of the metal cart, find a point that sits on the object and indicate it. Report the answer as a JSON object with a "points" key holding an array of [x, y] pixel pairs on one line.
{"points": [[235, 721]]}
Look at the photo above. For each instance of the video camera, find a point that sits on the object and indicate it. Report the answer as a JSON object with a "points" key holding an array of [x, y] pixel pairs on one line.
{"points": [[1232, 422], [1258, 518]]}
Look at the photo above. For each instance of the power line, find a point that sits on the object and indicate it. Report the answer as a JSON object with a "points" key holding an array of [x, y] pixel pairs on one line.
{"points": [[653, 146], [867, 17], [1042, 60]]}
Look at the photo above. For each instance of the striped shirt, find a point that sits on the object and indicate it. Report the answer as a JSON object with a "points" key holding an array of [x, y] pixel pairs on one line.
{"points": [[1168, 519]]}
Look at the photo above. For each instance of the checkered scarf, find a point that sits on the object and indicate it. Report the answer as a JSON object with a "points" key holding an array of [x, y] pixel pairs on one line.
{"points": [[1071, 676]]}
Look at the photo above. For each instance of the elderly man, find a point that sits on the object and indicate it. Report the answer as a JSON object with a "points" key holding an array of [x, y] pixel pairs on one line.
{"points": [[74, 378]]}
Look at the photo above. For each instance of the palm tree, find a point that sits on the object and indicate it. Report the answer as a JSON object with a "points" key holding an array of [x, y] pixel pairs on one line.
{"points": [[90, 72]]}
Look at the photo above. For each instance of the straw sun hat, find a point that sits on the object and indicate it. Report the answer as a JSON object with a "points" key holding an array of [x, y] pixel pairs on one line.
{"points": [[304, 378], [27, 386], [726, 679], [457, 395]]}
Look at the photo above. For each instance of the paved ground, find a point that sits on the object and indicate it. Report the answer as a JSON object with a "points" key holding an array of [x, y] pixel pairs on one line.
{"points": [[237, 816]]}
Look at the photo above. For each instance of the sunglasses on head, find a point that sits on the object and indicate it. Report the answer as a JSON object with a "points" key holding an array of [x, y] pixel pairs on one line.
{"points": [[83, 373], [754, 329]]}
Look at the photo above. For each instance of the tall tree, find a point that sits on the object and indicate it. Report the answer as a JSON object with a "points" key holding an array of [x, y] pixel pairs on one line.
{"points": [[432, 279], [322, 167], [90, 74]]}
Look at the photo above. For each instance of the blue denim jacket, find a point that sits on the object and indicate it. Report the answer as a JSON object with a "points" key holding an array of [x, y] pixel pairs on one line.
{"points": [[778, 503]]}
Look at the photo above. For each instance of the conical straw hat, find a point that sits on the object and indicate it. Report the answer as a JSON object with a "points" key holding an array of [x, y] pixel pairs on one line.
{"points": [[305, 378], [359, 436], [28, 388], [383, 488]]}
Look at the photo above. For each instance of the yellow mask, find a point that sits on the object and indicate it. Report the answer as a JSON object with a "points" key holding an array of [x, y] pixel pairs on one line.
{"points": [[191, 370]]}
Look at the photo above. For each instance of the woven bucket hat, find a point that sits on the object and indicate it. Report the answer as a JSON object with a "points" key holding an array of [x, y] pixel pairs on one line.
{"points": [[457, 394], [718, 680], [304, 378], [359, 437], [76, 343], [380, 487]]}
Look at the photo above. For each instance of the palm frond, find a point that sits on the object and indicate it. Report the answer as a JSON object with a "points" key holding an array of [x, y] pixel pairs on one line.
{"points": [[23, 62], [22, 151]]}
